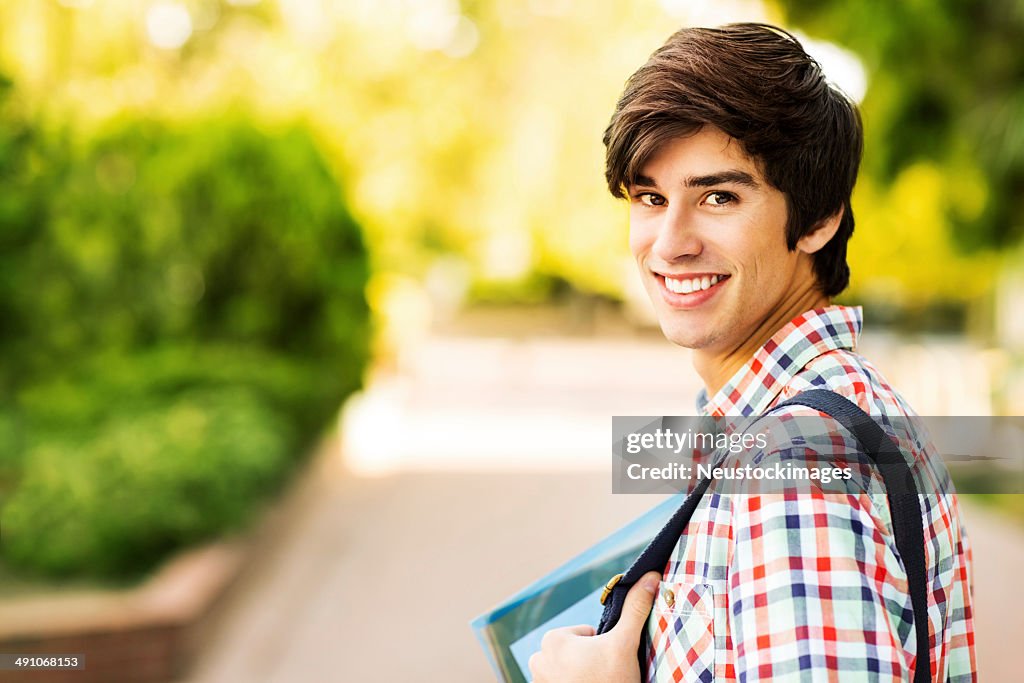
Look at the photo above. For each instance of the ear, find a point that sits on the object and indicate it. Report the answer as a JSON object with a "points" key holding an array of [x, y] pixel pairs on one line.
{"points": [[818, 237]]}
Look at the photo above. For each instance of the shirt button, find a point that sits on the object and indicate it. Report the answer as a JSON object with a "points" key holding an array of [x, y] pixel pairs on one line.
{"points": [[670, 597]]}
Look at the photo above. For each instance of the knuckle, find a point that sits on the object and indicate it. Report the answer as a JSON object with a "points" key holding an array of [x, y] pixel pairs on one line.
{"points": [[549, 639], [533, 664]]}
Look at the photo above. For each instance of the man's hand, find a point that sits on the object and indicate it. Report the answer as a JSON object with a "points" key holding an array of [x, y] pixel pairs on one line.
{"points": [[575, 655]]}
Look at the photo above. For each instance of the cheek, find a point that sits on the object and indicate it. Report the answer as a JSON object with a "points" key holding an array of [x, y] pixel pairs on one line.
{"points": [[769, 273], [759, 268], [641, 237], [760, 249]]}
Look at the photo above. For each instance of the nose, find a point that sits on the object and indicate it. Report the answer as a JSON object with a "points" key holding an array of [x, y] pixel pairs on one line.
{"points": [[677, 237]]}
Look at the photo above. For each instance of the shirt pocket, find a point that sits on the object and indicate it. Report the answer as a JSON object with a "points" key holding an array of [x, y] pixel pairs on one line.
{"points": [[681, 634]]}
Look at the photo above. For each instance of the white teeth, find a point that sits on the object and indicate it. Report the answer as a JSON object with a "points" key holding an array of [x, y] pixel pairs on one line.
{"points": [[693, 284]]}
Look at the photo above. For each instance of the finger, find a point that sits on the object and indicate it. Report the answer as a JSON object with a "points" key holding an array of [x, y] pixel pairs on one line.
{"points": [[533, 664], [581, 630], [549, 638], [637, 607]]}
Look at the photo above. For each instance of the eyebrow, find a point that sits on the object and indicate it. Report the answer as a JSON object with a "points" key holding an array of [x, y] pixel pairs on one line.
{"points": [[734, 177]]}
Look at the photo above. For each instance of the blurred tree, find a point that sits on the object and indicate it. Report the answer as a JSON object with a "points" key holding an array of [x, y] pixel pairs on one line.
{"points": [[208, 233], [470, 132], [182, 310], [947, 87], [24, 173]]}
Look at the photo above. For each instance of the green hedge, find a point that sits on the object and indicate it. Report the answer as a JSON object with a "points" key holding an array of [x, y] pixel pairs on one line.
{"points": [[112, 500], [211, 233], [183, 312]]}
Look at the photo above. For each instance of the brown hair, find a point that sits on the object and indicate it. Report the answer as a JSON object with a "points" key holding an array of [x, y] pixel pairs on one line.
{"points": [[756, 84]]}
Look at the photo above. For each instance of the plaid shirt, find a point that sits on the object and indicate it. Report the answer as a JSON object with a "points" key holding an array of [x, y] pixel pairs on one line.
{"points": [[808, 587]]}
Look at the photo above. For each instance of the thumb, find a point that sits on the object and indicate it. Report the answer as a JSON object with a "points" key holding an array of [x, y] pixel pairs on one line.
{"points": [[637, 607]]}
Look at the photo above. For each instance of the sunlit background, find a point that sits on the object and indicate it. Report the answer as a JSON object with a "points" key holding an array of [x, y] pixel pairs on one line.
{"points": [[221, 221]]}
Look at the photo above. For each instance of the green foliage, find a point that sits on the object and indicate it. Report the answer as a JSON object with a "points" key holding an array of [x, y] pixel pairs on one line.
{"points": [[111, 499], [493, 159], [945, 89], [22, 190], [1009, 504], [113, 383], [184, 305], [210, 233]]}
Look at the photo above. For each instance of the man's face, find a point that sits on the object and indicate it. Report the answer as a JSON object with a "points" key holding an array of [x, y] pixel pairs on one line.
{"points": [[708, 233]]}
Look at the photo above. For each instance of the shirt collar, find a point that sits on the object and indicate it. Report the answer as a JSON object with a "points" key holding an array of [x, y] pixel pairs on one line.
{"points": [[754, 387]]}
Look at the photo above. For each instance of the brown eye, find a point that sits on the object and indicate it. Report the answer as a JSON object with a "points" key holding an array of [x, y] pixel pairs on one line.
{"points": [[651, 199], [720, 198]]}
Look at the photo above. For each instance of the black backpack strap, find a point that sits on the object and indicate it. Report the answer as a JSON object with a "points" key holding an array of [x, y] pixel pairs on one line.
{"points": [[904, 503], [653, 558], [904, 506]]}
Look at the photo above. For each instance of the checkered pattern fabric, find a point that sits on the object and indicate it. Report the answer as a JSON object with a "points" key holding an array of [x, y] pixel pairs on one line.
{"points": [[808, 586], [683, 633]]}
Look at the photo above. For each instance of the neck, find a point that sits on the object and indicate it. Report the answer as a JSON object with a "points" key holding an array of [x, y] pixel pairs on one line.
{"points": [[717, 366]]}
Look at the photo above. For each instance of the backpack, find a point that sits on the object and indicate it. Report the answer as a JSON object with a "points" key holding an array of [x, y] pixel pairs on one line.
{"points": [[904, 507]]}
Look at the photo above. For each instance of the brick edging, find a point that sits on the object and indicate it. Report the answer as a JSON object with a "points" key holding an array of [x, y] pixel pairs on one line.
{"points": [[150, 633], [145, 634]]}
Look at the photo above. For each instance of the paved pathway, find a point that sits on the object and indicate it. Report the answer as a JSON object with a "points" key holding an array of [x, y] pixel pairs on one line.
{"points": [[492, 447]]}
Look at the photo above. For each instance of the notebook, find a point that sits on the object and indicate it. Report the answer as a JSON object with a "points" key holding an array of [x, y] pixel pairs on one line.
{"points": [[511, 632]]}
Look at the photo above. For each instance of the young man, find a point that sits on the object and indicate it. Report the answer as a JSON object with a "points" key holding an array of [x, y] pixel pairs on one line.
{"points": [[738, 160]]}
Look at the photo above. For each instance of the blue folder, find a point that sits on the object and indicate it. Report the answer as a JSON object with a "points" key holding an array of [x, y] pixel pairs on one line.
{"points": [[570, 595]]}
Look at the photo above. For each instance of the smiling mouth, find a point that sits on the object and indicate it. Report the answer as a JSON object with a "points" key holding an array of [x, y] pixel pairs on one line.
{"points": [[692, 284]]}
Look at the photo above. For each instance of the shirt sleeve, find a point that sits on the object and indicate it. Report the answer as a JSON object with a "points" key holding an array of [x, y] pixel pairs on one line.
{"points": [[816, 591]]}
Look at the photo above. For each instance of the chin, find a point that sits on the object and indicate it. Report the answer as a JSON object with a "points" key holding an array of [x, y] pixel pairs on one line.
{"points": [[687, 337]]}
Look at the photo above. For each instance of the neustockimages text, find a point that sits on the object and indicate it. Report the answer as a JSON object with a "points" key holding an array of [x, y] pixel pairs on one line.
{"points": [[778, 471]]}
